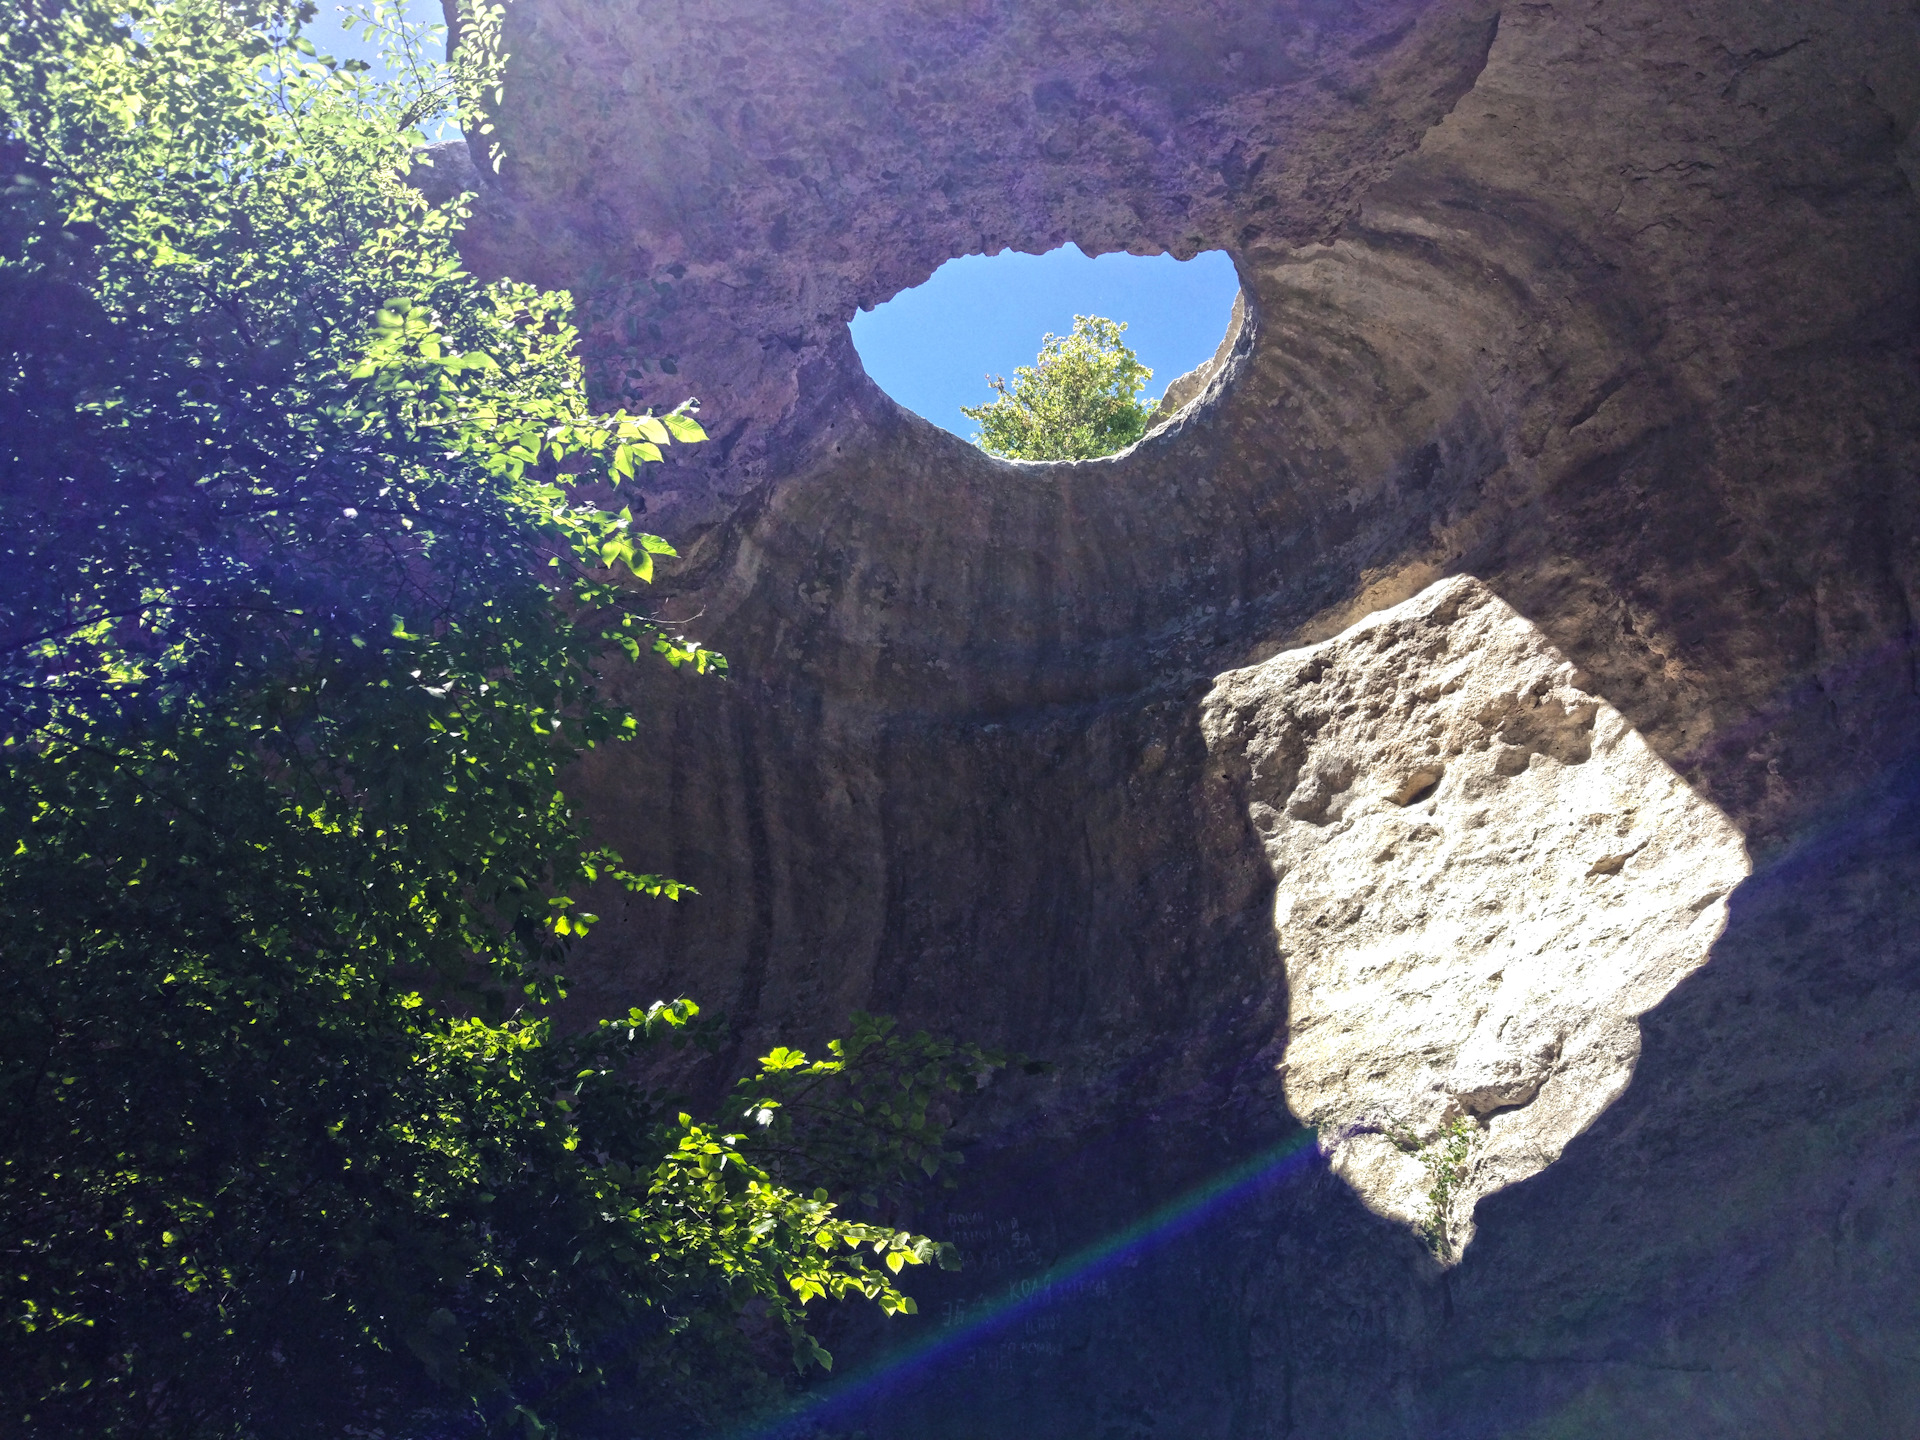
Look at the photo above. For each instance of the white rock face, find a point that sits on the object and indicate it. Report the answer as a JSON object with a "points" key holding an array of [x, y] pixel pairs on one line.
{"points": [[1484, 876]]}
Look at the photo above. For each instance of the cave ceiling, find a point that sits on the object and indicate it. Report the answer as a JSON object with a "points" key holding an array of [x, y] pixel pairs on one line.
{"points": [[1600, 314]]}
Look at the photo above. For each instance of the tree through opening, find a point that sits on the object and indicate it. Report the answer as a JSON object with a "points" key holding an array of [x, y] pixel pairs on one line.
{"points": [[1028, 334]]}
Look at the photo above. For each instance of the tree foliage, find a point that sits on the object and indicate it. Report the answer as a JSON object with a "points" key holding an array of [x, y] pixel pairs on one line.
{"points": [[1078, 400], [304, 617]]}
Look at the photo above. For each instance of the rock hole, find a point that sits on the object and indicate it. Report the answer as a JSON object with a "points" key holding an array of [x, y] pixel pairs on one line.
{"points": [[933, 347], [1610, 864], [1419, 786]]}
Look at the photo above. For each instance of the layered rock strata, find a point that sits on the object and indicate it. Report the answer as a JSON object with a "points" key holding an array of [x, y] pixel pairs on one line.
{"points": [[1603, 309]]}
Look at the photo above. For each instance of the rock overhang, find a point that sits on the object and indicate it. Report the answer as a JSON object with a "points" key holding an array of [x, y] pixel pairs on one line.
{"points": [[726, 184], [1606, 308]]}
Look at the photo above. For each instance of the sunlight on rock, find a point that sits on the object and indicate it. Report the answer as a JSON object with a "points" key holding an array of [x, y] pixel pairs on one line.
{"points": [[1484, 876]]}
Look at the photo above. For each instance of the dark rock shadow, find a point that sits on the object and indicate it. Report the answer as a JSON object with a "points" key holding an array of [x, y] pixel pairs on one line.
{"points": [[1733, 1248], [1659, 399]]}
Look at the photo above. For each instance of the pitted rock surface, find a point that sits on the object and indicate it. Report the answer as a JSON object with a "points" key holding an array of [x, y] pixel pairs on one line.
{"points": [[725, 181], [1483, 878], [1607, 307]]}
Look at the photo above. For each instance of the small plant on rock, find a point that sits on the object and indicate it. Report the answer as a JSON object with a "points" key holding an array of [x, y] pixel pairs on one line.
{"points": [[1444, 1157]]}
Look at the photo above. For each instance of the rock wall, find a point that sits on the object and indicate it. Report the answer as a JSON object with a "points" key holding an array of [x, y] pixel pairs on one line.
{"points": [[1483, 878], [1579, 367]]}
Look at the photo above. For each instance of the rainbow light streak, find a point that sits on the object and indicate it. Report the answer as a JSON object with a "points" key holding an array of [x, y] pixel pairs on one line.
{"points": [[1269, 1168], [1847, 823]]}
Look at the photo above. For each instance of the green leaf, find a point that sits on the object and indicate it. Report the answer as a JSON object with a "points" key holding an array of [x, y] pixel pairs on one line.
{"points": [[264, 834]]}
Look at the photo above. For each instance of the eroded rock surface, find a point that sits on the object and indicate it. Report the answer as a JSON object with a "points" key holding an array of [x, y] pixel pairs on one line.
{"points": [[1609, 305], [1184, 390], [1483, 877]]}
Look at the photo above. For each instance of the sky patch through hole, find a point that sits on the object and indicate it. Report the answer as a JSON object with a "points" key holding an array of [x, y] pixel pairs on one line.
{"points": [[330, 36], [932, 347]]}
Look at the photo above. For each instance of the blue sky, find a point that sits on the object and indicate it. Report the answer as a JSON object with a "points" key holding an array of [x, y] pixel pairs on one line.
{"points": [[933, 346], [329, 39]]}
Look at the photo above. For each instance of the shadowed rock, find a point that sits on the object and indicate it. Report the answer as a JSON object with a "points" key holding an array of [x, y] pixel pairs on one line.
{"points": [[1607, 304]]}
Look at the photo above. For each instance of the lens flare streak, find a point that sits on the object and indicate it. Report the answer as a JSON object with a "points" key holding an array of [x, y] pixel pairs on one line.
{"points": [[1179, 1217]]}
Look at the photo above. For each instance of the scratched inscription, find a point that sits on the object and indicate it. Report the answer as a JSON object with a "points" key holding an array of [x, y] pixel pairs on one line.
{"points": [[1015, 1267]]}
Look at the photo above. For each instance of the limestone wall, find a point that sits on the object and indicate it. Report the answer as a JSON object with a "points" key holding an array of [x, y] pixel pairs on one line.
{"points": [[1483, 877], [1579, 373]]}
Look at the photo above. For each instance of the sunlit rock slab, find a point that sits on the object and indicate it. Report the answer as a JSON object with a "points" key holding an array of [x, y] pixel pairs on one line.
{"points": [[1483, 877]]}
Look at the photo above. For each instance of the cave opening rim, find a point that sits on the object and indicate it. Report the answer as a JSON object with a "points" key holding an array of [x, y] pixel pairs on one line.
{"points": [[1204, 385]]}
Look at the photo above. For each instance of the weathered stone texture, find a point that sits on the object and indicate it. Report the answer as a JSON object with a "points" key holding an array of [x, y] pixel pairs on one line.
{"points": [[1483, 878], [1604, 309]]}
